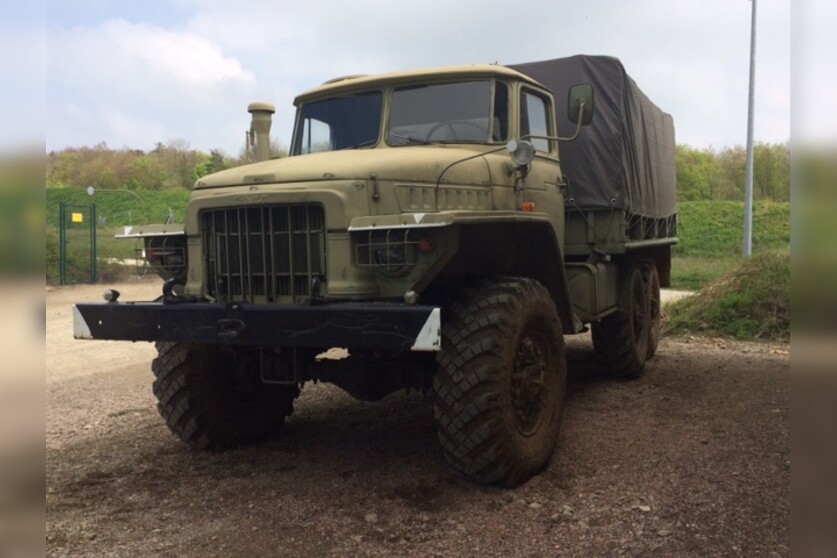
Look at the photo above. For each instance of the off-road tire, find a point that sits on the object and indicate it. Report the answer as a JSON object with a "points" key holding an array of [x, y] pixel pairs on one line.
{"points": [[212, 397], [621, 339], [652, 279], [500, 383]]}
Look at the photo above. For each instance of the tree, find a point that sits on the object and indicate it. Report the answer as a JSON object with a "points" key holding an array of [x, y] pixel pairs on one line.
{"points": [[732, 161], [216, 161], [698, 174], [771, 171], [702, 174]]}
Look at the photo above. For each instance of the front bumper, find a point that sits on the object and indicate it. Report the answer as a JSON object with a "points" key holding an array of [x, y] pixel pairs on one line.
{"points": [[397, 327]]}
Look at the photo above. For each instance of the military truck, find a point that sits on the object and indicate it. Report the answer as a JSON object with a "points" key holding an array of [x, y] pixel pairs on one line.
{"points": [[428, 223]]}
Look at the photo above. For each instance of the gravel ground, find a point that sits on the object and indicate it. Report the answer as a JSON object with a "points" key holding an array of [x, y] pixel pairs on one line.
{"points": [[691, 460]]}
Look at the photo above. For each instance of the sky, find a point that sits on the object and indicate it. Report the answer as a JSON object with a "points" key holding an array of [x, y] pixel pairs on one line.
{"points": [[132, 74]]}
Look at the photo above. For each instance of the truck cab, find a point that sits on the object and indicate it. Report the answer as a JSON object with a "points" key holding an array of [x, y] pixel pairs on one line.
{"points": [[391, 165]]}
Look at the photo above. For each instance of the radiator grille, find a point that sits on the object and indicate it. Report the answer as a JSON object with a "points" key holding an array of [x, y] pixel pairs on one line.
{"points": [[258, 254]]}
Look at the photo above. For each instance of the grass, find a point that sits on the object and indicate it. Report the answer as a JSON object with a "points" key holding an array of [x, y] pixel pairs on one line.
{"points": [[750, 302], [711, 238], [693, 273]]}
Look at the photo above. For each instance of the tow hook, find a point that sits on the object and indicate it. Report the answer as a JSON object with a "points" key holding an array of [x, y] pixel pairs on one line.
{"points": [[168, 290], [230, 328]]}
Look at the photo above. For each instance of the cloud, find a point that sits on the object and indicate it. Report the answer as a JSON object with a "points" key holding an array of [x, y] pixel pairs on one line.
{"points": [[134, 80], [119, 50], [120, 124], [690, 57], [183, 57], [196, 77]]}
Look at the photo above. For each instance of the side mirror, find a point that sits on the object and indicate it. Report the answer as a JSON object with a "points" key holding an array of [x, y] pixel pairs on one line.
{"points": [[578, 93]]}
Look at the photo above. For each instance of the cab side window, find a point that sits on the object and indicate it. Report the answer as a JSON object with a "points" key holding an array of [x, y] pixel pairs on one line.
{"points": [[534, 119]]}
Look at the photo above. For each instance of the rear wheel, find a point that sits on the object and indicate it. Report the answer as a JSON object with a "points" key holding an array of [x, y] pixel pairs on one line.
{"points": [[501, 381], [621, 339], [652, 279], [213, 397]]}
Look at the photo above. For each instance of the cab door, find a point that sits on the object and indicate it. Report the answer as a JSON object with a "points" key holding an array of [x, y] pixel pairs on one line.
{"points": [[542, 183]]}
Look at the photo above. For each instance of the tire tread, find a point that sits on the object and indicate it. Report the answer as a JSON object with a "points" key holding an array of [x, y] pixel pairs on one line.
{"points": [[192, 401], [469, 399]]}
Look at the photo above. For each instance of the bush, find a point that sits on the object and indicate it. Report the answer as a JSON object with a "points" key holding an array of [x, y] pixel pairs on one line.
{"points": [[750, 302]]}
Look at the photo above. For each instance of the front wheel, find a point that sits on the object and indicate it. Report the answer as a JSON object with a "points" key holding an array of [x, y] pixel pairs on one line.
{"points": [[213, 397], [500, 382]]}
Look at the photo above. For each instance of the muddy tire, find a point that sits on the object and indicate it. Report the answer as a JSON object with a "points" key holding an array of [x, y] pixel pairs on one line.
{"points": [[213, 398], [652, 280], [500, 383], [621, 339]]}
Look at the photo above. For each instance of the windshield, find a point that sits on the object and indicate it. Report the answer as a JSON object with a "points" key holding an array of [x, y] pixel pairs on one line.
{"points": [[465, 112], [338, 123]]}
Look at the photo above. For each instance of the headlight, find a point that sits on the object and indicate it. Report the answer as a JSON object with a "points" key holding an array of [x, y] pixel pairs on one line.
{"points": [[390, 257], [393, 251]]}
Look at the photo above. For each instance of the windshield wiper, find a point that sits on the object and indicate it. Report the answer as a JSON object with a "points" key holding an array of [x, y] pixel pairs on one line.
{"points": [[361, 144], [410, 140]]}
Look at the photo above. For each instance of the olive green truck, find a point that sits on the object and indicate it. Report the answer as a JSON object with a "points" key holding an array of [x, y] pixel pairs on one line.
{"points": [[447, 228]]}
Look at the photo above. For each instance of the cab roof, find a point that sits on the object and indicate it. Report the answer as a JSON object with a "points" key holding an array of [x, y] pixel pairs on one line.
{"points": [[363, 82]]}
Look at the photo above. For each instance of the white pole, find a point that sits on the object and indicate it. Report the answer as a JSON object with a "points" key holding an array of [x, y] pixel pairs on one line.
{"points": [[748, 185]]}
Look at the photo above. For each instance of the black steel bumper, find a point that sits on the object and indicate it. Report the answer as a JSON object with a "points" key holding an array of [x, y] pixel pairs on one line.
{"points": [[355, 326]]}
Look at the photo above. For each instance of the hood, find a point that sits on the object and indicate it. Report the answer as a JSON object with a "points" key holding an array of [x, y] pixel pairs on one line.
{"points": [[408, 164]]}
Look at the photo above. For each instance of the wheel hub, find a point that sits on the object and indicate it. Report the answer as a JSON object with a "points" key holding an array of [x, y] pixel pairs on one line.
{"points": [[528, 386]]}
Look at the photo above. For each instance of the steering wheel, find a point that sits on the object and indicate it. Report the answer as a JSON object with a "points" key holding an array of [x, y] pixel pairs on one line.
{"points": [[450, 125]]}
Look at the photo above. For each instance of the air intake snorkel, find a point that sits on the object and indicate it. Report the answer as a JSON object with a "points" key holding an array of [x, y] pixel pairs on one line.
{"points": [[258, 137]]}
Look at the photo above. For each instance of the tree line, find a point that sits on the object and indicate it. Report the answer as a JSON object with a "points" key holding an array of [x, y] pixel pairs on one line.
{"points": [[710, 174], [167, 166], [702, 173]]}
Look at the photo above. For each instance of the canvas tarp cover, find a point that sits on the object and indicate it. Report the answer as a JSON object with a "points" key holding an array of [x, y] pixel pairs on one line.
{"points": [[625, 157]]}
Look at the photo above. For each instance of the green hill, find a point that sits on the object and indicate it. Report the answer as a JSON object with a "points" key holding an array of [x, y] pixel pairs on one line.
{"points": [[715, 229], [711, 237], [710, 232]]}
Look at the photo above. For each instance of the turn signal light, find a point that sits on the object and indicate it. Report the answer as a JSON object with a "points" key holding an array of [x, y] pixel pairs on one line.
{"points": [[426, 245]]}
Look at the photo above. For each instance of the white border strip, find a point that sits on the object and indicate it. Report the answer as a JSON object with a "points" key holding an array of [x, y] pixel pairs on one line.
{"points": [[80, 328], [430, 336]]}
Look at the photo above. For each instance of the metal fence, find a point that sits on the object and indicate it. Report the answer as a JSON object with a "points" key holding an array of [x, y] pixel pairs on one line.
{"points": [[77, 244]]}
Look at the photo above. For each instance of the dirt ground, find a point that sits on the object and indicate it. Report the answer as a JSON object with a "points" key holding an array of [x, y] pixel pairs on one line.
{"points": [[691, 460]]}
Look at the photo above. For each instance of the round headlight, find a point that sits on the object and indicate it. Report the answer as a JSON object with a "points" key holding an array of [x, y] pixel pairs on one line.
{"points": [[522, 152], [390, 257]]}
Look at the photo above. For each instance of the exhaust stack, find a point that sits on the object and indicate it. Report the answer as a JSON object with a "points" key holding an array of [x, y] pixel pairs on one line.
{"points": [[258, 138]]}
